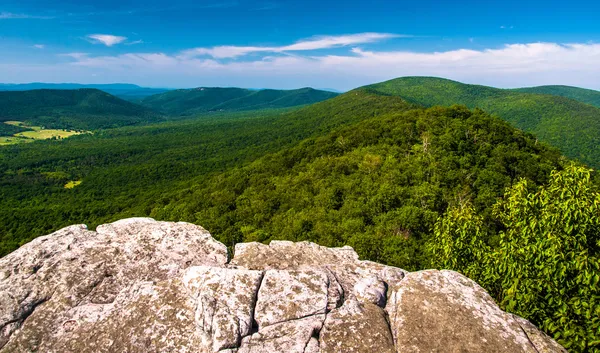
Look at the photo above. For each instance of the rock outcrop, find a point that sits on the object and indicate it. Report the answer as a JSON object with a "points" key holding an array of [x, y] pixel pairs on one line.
{"points": [[138, 285]]}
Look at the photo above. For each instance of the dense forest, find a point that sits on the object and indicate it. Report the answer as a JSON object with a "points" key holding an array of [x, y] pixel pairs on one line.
{"points": [[378, 185], [588, 96], [570, 125], [82, 109], [125, 171], [209, 99], [125, 91], [414, 187]]}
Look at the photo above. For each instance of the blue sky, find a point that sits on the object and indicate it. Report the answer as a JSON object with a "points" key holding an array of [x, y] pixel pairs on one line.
{"points": [[289, 44]]}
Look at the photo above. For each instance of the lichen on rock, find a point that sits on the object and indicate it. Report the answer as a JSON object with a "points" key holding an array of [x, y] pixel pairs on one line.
{"points": [[138, 285]]}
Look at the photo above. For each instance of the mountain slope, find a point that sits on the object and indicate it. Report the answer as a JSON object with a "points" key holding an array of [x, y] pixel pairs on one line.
{"points": [[121, 90], [209, 99], [570, 125], [588, 96], [378, 184], [364, 169], [85, 109], [126, 171]]}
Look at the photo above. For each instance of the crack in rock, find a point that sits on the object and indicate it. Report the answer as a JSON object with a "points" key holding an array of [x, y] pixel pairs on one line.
{"points": [[138, 285]]}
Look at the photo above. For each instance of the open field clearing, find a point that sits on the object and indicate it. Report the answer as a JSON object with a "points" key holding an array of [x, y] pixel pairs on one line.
{"points": [[35, 133], [47, 134]]}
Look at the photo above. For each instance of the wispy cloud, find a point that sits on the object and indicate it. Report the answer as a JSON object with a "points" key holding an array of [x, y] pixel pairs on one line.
{"points": [[16, 16], [39, 46], [510, 65], [76, 55], [106, 39], [134, 42], [315, 43]]}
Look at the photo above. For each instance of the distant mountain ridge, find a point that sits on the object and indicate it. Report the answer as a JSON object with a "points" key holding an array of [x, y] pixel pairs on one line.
{"points": [[584, 95], [84, 109], [122, 90], [569, 124], [208, 99]]}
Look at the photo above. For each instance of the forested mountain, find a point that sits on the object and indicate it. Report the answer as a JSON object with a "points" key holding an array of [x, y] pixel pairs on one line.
{"points": [[570, 125], [122, 90], [588, 96], [126, 171], [210, 99], [431, 158], [369, 168], [85, 109]]}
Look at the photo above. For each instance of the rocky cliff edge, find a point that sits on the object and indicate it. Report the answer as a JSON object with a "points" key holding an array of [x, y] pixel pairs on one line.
{"points": [[138, 285]]}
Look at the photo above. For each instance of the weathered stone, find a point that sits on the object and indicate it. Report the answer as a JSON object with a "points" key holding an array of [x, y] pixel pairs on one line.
{"points": [[284, 255], [435, 311], [138, 285], [75, 267], [291, 336], [290, 295], [225, 302], [357, 327], [541, 341]]}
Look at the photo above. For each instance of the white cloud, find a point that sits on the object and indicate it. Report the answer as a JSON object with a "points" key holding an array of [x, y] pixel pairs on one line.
{"points": [[134, 42], [106, 39], [39, 46], [15, 16], [75, 56], [315, 43], [510, 65]]}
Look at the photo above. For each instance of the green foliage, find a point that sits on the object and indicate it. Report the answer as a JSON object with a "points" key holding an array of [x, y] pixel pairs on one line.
{"points": [[570, 125], [9, 130], [377, 185], [131, 170], [546, 265], [210, 99], [82, 109], [588, 96], [365, 169]]}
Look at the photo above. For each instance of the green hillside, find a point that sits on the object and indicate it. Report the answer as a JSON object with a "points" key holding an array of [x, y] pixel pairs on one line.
{"points": [[364, 169], [588, 96], [125, 91], [84, 109], [167, 169], [126, 171], [211, 99], [570, 125]]}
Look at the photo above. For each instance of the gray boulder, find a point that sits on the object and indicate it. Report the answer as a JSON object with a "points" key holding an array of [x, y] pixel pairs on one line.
{"points": [[138, 285]]}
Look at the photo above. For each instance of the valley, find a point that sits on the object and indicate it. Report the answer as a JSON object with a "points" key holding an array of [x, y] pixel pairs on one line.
{"points": [[377, 168]]}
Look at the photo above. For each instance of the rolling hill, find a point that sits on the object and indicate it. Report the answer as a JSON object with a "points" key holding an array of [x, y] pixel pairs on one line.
{"points": [[366, 169], [570, 125], [84, 109], [588, 96], [211, 99], [122, 90]]}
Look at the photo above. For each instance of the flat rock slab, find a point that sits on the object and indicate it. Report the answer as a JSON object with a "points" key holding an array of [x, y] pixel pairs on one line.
{"points": [[434, 311], [138, 285]]}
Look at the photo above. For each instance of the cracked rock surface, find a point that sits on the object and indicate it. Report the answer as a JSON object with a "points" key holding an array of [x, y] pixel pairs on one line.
{"points": [[138, 285]]}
